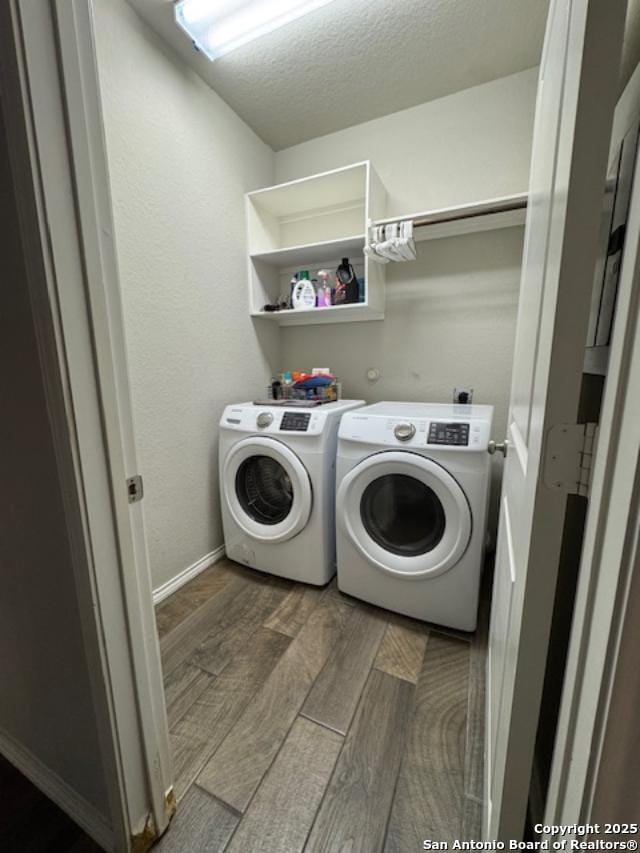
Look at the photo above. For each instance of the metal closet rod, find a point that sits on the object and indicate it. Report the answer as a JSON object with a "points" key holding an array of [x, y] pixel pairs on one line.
{"points": [[485, 210], [455, 215]]}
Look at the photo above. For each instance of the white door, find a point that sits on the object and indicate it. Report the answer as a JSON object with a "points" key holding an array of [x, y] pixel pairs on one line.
{"points": [[267, 489], [405, 514], [578, 84]]}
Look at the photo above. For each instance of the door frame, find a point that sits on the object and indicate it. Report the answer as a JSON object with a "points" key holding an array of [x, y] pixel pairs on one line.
{"points": [[81, 325], [51, 97], [574, 118], [606, 566]]}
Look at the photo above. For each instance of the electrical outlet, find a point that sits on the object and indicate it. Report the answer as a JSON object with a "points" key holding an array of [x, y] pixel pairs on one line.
{"points": [[463, 396]]}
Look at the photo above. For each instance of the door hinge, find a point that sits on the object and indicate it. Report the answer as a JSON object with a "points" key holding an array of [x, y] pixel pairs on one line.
{"points": [[135, 488], [569, 455]]}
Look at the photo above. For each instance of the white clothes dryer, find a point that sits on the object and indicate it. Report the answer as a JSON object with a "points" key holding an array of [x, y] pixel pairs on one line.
{"points": [[277, 487], [411, 508]]}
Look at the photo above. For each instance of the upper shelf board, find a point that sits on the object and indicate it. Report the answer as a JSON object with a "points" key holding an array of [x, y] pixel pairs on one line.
{"points": [[336, 188]]}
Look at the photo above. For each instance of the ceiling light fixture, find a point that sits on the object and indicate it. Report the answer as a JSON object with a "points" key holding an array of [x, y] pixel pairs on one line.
{"points": [[219, 26]]}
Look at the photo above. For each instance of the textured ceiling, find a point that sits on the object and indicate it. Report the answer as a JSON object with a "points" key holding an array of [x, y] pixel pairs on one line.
{"points": [[355, 60]]}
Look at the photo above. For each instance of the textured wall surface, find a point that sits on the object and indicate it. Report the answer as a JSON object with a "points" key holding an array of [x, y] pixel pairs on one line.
{"points": [[472, 145], [46, 703], [180, 161], [450, 316]]}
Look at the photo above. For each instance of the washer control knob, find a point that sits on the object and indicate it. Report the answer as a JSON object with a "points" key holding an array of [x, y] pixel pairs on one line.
{"points": [[264, 419], [404, 432]]}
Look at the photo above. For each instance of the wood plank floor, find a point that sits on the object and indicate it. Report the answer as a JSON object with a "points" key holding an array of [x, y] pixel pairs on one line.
{"points": [[304, 720]]}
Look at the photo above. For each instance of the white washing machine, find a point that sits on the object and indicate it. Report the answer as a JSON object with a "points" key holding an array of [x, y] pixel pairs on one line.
{"points": [[277, 485], [411, 508]]}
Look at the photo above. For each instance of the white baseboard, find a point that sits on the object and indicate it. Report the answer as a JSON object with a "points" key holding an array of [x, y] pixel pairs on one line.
{"points": [[173, 585], [70, 801]]}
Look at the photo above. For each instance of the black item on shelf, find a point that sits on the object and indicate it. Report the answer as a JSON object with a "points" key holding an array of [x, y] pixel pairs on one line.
{"points": [[346, 284]]}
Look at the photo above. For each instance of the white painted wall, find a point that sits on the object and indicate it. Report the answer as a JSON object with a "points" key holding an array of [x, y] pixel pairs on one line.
{"points": [[472, 145], [450, 317], [180, 162], [47, 715]]}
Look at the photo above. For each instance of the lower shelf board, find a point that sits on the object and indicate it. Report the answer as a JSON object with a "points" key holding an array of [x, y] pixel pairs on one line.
{"points": [[335, 314]]}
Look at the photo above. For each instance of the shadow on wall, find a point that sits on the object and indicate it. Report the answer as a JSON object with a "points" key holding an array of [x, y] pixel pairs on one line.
{"points": [[450, 320]]}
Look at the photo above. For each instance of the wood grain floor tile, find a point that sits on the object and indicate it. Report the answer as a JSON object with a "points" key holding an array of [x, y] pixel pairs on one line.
{"points": [[181, 689], [242, 617], [177, 646], [176, 608], [333, 698], [237, 767], [201, 824], [294, 611], [429, 794], [285, 805], [211, 716], [354, 812], [280, 650], [402, 648]]}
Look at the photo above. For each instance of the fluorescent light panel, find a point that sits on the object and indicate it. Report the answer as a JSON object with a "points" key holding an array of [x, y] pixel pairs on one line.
{"points": [[220, 26]]}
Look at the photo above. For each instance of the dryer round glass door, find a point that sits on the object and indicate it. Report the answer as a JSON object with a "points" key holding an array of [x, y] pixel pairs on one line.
{"points": [[267, 489], [406, 514]]}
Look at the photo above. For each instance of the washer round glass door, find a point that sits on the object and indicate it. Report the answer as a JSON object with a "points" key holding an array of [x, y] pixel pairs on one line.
{"points": [[406, 514], [267, 489]]}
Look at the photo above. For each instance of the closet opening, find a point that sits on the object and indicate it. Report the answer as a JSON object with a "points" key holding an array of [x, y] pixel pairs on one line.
{"points": [[351, 388]]}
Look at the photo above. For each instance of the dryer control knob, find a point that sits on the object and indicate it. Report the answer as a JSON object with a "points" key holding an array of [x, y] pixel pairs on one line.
{"points": [[264, 419], [404, 432]]}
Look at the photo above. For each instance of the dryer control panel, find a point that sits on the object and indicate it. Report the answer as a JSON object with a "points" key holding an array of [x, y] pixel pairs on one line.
{"points": [[455, 434], [450, 433]]}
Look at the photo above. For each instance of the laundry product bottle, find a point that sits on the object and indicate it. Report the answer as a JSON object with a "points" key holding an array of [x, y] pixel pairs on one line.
{"points": [[292, 287], [304, 293], [323, 294]]}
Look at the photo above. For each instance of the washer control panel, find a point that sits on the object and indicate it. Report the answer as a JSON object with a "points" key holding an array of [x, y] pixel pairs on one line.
{"points": [[295, 421], [454, 434], [267, 420]]}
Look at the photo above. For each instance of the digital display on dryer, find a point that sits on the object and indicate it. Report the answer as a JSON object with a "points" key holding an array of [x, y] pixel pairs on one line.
{"points": [[456, 434], [295, 421]]}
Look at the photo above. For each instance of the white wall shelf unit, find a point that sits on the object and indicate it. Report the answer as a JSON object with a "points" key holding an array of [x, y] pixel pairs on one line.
{"points": [[312, 223]]}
